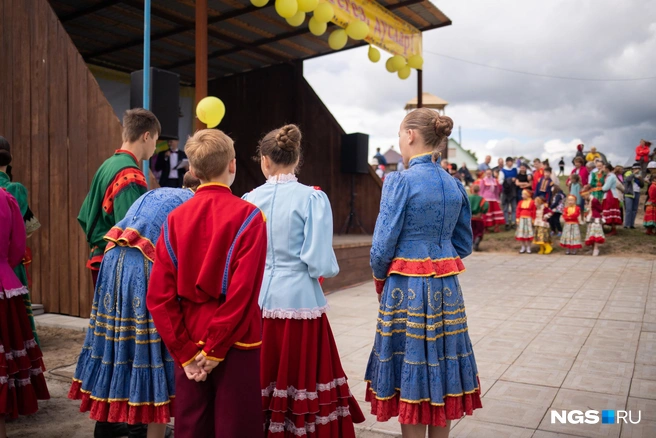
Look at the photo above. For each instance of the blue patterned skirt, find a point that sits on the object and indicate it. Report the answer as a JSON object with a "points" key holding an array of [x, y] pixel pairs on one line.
{"points": [[124, 373], [422, 366]]}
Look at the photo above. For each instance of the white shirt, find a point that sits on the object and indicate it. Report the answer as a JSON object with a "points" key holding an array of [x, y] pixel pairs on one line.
{"points": [[173, 160]]}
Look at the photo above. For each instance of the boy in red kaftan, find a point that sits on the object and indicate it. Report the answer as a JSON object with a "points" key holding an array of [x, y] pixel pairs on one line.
{"points": [[203, 296]]}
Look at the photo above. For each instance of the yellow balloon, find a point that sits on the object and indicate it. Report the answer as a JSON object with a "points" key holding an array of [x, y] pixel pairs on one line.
{"points": [[286, 8], [210, 110], [317, 27], [259, 3], [389, 66], [307, 5], [416, 62], [404, 73], [324, 13], [398, 62], [374, 54], [337, 39], [357, 30], [297, 19]]}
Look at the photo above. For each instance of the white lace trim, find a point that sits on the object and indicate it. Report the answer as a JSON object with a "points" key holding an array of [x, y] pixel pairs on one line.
{"points": [[2, 348], [282, 179], [301, 394], [18, 353], [10, 293], [309, 427], [295, 313], [3, 380]]}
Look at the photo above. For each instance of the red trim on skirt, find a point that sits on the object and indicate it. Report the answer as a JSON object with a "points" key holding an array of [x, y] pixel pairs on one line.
{"points": [[120, 411], [524, 239], [454, 408], [611, 210], [571, 246], [494, 215], [595, 239]]}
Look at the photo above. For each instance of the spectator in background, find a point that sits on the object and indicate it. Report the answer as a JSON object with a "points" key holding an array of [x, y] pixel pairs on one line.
{"points": [[485, 165], [380, 171], [633, 183], [593, 154], [173, 166], [523, 180], [499, 165], [579, 169], [579, 153], [642, 156], [538, 173], [545, 186], [466, 174], [561, 165], [382, 161], [445, 164], [507, 179]]}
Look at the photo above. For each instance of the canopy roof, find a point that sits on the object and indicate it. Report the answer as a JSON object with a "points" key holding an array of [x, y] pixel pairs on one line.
{"points": [[241, 37], [427, 101]]}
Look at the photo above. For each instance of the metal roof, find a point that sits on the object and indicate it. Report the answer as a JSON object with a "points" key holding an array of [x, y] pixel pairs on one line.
{"points": [[241, 37]]}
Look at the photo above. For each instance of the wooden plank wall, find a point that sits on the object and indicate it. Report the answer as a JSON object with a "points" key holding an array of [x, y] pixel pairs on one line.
{"points": [[61, 129], [261, 100]]}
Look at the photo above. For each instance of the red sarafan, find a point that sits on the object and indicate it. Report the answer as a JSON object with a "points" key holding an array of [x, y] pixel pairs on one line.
{"points": [[21, 362]]}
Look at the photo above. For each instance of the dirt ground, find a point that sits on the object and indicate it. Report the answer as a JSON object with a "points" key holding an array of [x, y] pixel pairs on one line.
{"points": [[58, 417]]}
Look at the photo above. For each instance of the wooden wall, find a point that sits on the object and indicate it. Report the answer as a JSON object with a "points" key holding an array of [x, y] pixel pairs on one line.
{"points": [[61, 128], [261, 100]]}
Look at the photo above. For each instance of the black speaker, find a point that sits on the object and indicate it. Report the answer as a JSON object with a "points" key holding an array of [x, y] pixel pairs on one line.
{"points": [[355, 151], [164, 98]]}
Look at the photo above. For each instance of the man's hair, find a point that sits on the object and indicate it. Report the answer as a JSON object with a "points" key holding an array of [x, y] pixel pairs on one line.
{"points": [[547, 169], [510, 159], [138, 121], [209, 152]]}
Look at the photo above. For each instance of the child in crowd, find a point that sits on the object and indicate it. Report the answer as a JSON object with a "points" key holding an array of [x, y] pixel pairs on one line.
{"points": [[571, 238], [556, 206], [542, 235], [595, 231], [490, 191], [479, 207], [190, 182], [124, 373], [21, 365], [545, 186], [650, 207], [202, 295], [304, 387], [525, 219]]}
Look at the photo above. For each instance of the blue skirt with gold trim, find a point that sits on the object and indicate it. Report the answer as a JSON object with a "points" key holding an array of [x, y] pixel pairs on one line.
{"points": [[422, 366], [124, 373]]}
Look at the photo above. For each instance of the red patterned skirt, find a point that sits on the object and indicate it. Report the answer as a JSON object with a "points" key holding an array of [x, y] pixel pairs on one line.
{"points": [[21, 362], [650, 216], [304, 388], [611, 209], [494, 215]]}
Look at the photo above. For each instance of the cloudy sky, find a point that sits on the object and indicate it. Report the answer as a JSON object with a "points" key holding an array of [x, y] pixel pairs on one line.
{"points": [[502, 113]]}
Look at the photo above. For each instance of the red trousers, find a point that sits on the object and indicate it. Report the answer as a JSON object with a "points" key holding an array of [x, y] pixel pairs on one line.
{"points": [[478, 228], [227, 405]]}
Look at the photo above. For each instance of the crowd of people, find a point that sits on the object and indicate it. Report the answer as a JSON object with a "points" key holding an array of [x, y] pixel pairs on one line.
{"points": [[530, 199], [209, 308]]}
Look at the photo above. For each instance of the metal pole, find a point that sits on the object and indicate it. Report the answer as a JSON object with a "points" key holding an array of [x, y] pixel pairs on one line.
{"points": [[146, 76], [420, 89], [201, 54]]}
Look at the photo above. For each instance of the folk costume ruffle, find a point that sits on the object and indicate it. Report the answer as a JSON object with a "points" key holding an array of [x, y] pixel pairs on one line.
{"points": [[494, 215], [595, 233], [611, 209], [571, 236], [524, 232]]}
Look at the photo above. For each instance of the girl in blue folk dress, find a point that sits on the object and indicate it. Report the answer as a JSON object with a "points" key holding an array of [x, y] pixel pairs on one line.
{"points": [[422, 366], [125, 373]]}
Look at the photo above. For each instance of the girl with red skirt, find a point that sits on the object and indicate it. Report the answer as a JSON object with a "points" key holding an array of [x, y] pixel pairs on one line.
{"points": [[21, 362], [611, 202], [490, 191], [304, 388]]}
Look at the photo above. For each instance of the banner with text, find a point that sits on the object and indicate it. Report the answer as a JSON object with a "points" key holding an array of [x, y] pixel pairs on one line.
{"points": [[386, 30]]}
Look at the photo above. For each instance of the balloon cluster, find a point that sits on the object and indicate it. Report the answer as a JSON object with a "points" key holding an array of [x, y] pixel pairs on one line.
{"points": [[210, 110], [397, 63], [294, 12]]}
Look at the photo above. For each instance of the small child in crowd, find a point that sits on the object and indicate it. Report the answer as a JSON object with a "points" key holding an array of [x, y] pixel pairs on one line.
{"points": [[190, 182], [542, 235], [545, 186], [525, 219], [575, 190], [479, 207], [203, 292], [556, 206], [571, 238], [595, 230]]}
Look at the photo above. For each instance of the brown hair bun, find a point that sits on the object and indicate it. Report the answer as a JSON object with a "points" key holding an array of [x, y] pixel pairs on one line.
{"points": [[443, 126], [288, 138]]}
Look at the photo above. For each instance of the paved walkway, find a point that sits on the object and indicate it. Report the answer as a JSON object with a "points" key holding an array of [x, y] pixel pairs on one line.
{"points": [[549, 332]]}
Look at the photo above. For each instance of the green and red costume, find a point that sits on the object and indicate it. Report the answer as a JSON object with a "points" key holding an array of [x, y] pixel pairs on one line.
{"points": [[19, 192], [117, 184]]}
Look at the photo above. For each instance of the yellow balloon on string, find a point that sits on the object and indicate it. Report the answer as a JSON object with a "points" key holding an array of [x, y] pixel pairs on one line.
{"points": [[297, 19], [259, 3], [210, 110], [374, 54], [307, 5], [286, 8], [317, 27], [357, 30], [404, 73], [337, 39], [324, 12]]}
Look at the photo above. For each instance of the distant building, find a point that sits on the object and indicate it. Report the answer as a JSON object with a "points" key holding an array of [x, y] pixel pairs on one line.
{"points": [[393, 158], [428, 101], [457, 154]]}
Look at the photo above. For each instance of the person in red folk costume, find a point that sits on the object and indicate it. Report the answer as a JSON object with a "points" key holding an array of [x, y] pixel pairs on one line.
{"points": [[209, 262], [21, 364], [490, 191], [304, 388], [642, 155], [525, 218], [593, 216], [611, 204], [571, 237]]}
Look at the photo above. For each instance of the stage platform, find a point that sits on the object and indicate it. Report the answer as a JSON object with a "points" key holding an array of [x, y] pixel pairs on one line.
{"points": [[352, 251]]}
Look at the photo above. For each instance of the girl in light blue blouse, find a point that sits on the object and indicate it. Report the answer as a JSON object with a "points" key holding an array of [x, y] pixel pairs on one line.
{"points": [[422, 367], [304, 388]]}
